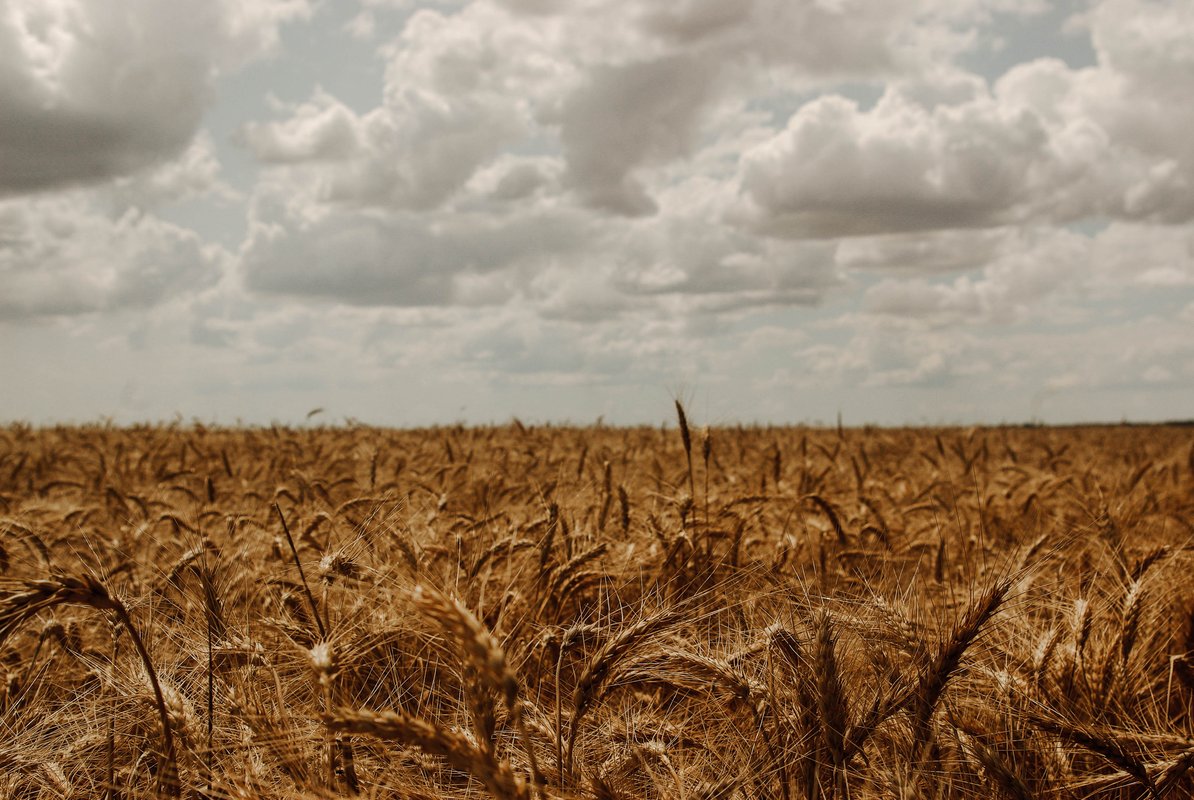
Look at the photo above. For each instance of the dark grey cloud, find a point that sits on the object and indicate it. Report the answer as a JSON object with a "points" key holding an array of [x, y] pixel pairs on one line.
{"points": [[631, 115], [92, 91]]}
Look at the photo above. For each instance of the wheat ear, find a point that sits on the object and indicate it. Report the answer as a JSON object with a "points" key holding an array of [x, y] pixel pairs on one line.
{"points": [[17, 607], [597, 671], [451, 745], [486, 655]]}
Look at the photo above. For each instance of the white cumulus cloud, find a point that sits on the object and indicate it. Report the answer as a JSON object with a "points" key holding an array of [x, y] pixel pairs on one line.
{"points": [[59, 256]]}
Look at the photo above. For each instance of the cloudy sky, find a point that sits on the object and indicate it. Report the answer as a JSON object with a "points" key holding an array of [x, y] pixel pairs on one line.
{"points": [[403, 212]]}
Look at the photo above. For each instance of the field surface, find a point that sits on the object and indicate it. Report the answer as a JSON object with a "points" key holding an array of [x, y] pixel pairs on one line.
{"points": [[545, 612]]}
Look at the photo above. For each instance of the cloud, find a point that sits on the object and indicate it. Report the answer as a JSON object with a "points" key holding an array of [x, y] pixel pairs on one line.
{"points": [[1116, 150], [630, 115], [1108, 372], [619, 102], [451, 104], [60, 257], [563, 209], [831, 41], [93, 91], [1035, 272], [540, 155], [1047, 276], [513, 179], [554, 261], [302, 249], [1142, 257], [196, 173], [322, 129], [1045, 143], [837, 170], [1149, 41], [880, 353], [923, 252], [511, 162], [625, 114]]}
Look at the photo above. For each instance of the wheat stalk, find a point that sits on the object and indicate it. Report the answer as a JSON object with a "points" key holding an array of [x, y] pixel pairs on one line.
{"points": [[32, 597]]}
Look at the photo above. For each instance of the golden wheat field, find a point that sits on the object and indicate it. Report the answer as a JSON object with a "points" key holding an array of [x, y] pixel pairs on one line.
{"points": [[550, 612]]}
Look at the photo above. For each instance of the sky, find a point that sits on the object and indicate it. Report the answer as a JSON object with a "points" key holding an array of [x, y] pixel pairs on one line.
{"points": [[778, 211]]}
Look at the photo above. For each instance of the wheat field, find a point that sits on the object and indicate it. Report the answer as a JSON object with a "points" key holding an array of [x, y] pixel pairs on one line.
{"points": [[553, 612]]}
